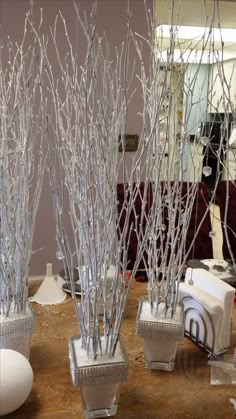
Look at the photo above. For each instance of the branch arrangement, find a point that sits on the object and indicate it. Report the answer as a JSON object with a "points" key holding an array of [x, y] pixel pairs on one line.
{"points": [[90, 104], [174, 70], [21, 166]]}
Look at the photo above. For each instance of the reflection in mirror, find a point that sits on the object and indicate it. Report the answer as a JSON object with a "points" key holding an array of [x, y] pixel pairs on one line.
{"points": [[195, 55], [198, 46]]}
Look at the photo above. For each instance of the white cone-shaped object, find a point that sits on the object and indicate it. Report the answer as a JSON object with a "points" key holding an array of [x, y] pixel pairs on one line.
{"points": [[49, 292]]}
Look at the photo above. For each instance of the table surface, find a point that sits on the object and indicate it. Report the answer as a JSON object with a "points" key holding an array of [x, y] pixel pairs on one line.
{"points": [[183, 393]]}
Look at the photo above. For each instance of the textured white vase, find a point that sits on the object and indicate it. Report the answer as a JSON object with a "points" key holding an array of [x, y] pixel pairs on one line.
{"points": [[161, 334], [16, 330], [159, 354], [99, 380], [100, 400]]}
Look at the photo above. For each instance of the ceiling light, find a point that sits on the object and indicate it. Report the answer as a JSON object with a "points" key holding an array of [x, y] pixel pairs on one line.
{"points": [[195, 32]]}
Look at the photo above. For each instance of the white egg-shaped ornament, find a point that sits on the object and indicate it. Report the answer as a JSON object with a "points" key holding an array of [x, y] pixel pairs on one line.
{"points": [[16, 379]]}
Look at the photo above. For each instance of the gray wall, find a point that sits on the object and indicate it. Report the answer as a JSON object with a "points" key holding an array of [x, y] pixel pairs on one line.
{"points": [[111, 18]]}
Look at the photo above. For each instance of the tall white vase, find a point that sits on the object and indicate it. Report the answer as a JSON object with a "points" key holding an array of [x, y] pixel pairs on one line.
{"points": [[99, 380], [161, 334], [16, 330]]}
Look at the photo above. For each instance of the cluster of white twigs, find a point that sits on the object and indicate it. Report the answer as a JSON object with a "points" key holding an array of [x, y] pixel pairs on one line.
{"points": [[21, 166], [174, 188], [90, 100], [90, 104]]}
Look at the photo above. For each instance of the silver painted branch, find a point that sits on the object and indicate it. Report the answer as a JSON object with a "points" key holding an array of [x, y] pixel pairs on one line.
{"points": [[22, 116]]}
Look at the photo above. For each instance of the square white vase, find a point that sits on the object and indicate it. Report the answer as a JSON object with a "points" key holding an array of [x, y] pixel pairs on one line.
{"points": [[99, 380], [161, 334], [16, 330]]}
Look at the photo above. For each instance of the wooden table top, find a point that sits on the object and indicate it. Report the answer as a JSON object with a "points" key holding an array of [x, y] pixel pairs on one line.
{"points": [[182, 394]]}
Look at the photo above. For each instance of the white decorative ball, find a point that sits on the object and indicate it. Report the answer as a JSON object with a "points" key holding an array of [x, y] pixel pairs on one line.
{"points": [[16, 379]]}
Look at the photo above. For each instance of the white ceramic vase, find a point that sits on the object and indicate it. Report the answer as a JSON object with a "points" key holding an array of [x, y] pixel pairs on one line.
{"points": [[16, 330], [161, 334], [99, 380]]}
